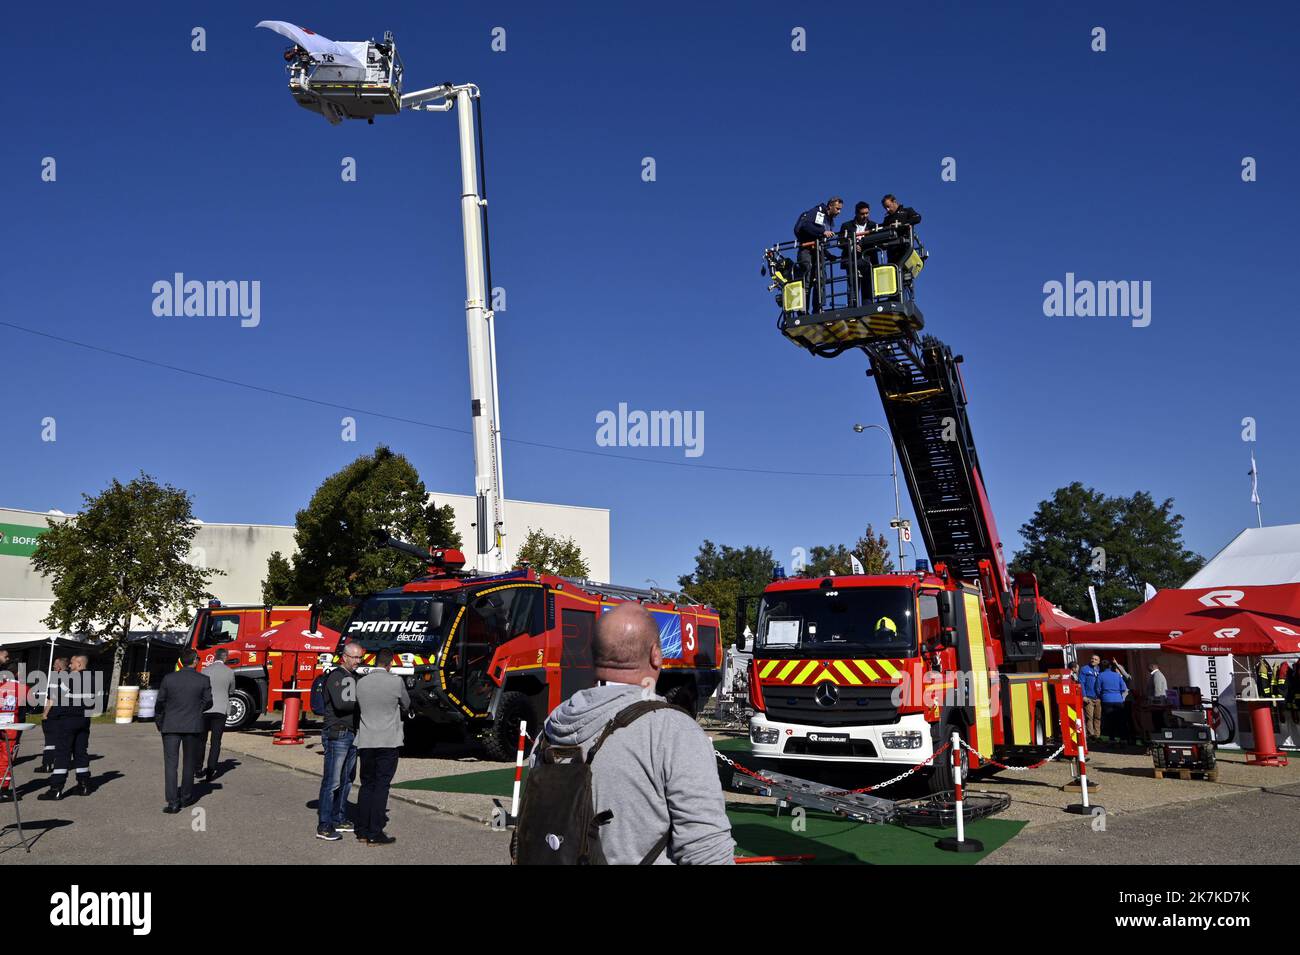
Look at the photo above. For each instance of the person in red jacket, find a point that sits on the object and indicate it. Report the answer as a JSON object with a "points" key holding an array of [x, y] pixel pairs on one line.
{"points": [[11, 699]]}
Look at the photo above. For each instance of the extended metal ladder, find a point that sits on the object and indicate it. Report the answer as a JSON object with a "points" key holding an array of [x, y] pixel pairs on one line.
{"points": [[925, 405]]}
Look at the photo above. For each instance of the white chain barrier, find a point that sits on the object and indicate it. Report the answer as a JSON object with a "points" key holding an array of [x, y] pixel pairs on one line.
{"points": [[1015, 769]]}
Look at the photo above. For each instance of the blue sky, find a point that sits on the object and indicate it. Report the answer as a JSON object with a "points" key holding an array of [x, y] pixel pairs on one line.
{"points": [[1117, 165]]}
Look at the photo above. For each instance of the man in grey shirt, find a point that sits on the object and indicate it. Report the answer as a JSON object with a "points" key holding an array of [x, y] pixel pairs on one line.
{"points": [[222, 679], [657, 775], [381, 700], [1157, 696]]}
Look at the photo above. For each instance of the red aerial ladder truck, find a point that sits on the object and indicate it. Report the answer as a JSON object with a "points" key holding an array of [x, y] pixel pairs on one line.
{"points": [[885, 668]]}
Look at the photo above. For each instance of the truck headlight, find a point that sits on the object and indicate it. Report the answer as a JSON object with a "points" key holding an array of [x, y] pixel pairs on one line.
{"points": [[909, 740], [763, 734]]}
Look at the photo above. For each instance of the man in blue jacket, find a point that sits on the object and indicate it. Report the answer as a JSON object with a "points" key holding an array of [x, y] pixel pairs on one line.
{"points": [[1089, 675], [1113, 689], [814, 226]]}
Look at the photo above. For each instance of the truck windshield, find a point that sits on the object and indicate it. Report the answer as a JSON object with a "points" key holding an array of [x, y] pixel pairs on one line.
{"points": [[855, 621], [407, 622]]}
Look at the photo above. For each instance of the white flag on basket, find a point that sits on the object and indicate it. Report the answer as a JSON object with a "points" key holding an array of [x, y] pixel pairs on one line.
{"points": [[856, 564], [322, 49]]}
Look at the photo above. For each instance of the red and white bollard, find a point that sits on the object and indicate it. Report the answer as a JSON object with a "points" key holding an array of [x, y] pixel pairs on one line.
{"points": [[289, 734], [519, 769], [1083, 808], [1265, 752], [959, 843]]}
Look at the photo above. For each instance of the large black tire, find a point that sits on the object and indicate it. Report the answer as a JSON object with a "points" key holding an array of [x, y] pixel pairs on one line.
{"points": [[683, 695], [501, 740], [941, 769], [242, 710]]}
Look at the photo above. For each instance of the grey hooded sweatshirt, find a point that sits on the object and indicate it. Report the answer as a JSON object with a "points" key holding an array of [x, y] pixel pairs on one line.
{"points": [[659, 773]]}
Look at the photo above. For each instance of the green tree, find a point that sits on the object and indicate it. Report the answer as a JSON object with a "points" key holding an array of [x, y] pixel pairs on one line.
{"points": [[722, 574], [871, 549], [123, 559], [442, 526], [1118, 544], [551, 554], [337, 557]]}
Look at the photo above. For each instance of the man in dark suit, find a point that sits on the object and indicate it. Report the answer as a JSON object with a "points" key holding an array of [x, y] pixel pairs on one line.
{"points": [[851, 233], [183, 698]]}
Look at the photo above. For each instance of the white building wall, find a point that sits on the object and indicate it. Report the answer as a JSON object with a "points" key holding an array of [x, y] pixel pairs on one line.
{"points": [[242, 550], [588, 526]]}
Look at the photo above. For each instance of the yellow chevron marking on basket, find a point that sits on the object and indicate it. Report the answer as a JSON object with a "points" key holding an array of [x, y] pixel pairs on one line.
{"points": [[768, 667], [826, 675], [785, 670], [847, 673], [889, 668], [803, 674], [869, 673]]}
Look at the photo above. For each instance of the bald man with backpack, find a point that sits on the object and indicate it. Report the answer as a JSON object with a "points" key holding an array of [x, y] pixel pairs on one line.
{"points": [[620, 776]]}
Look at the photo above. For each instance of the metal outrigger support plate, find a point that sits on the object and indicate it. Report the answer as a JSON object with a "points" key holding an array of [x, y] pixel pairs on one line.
{"points": [[801, 792], [939, 810]]}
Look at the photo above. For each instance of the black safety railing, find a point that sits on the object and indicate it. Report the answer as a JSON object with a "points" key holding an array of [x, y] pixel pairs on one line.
{"points": [[836, 273]]}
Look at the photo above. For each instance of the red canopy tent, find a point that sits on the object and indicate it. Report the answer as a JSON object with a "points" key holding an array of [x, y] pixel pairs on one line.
{"points": [[1056, 624], [1244, 634], [1171, 613]]}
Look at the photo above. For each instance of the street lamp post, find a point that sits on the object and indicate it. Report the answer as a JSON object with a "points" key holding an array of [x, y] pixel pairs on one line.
{"points": [[897, 523]]}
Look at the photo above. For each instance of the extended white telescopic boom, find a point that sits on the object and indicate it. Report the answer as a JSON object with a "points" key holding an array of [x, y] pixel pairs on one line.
{"points": [[484, 406]]}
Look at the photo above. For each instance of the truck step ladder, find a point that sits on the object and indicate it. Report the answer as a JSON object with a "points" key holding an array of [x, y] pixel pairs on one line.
{"points": [[791, 790]]}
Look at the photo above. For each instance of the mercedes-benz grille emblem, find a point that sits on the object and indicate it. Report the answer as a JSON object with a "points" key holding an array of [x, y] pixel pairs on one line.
{"points": [[827, 694]]}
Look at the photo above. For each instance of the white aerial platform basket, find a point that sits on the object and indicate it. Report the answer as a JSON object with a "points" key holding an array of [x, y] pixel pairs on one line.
{"points": [[342, 79], [350, 92]]}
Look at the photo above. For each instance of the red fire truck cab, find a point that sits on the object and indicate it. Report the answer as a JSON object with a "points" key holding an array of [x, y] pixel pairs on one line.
{"points": [[884, 669], [274, 651]]}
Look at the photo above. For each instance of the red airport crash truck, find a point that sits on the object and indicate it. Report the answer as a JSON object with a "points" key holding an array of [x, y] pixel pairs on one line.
{"points": [[487, 651]]}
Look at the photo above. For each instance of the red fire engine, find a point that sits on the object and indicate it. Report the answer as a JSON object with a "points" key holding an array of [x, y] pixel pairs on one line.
{"points": [[885, 668], [271, 649], [487, 651]]}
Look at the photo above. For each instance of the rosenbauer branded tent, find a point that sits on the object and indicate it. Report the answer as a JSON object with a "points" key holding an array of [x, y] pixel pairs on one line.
{"points": [[1171, 613]]}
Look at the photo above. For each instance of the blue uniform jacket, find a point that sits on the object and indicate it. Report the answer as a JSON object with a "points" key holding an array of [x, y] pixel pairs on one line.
{"points": [[1112, 686], [1088, 675], [806, 228]]}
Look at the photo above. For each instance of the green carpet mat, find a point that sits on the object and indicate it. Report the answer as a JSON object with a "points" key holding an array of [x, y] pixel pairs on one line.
{"points": [[760, 832], [834, 841], [489, 782], [500, 782]]}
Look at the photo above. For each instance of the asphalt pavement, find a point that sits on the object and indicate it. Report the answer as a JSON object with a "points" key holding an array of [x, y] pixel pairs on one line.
{"points": [[1249, 827], [254, 812]]}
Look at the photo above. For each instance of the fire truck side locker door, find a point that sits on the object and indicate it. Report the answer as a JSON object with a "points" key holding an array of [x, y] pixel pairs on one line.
{"points": [[971, 658], [577, 665]]}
